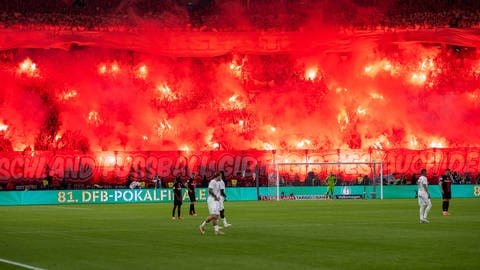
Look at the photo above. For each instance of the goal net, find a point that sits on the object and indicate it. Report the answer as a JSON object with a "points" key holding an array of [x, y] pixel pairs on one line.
{"points": [[308, 181]]}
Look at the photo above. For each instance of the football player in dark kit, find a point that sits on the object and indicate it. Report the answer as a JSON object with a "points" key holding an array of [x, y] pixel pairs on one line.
{"points": [[191, 194], [177, 197], [223, 197], [445, 183]]}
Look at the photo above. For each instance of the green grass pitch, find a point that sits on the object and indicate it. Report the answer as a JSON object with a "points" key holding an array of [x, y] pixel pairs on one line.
{"points": [[337, 234]]}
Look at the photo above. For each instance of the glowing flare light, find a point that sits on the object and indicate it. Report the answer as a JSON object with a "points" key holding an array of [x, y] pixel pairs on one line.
{"points": [[110, 160], [234, 103], [305, 143], [427, 64], [166, 92], [418, 78], [102, 69], [384, 65], [311, 73], [374, 95], [28, 68], [413, 142], [94, 118], [185, 148], [141, 72], [343, 120], [67, 95], [438, 143], [236, 69], [361, 111], [268, 146], [3, 127], [163, 127], [113, 70]]}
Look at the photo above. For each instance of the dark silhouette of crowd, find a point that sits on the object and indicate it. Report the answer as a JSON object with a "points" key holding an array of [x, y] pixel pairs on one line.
{"points": [[242, 15]]}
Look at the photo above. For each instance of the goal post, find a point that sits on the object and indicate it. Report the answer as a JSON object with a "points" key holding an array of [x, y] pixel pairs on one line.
{"points": [[307, 180]]}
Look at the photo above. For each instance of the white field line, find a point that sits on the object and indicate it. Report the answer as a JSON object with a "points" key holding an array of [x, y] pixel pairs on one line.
{"points": [[20, 264]]}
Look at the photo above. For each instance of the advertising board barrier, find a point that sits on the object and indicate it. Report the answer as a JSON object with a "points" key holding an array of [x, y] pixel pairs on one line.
{"points": [[106, 196]]}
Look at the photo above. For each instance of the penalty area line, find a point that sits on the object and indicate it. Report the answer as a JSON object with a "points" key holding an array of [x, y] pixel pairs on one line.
{"points": [[20, 264]]}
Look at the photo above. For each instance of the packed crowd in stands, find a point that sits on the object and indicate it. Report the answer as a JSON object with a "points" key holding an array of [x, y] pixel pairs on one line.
{"points": [[240, 179], [245, 15]]}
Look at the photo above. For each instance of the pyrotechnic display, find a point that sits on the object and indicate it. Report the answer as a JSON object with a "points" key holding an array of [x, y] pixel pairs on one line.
{"points": [[410, 96]]}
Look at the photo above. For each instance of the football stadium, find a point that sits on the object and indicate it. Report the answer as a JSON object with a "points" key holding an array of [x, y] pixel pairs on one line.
{"points": [[330, 134]]}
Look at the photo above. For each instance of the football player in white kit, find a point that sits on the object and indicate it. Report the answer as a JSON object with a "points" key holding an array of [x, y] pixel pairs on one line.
{"points": [[423, 197], [213, 203]]}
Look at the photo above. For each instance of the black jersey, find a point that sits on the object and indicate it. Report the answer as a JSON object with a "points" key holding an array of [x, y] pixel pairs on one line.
{"points": [[191, 186], [446, 182], [177, 190]]}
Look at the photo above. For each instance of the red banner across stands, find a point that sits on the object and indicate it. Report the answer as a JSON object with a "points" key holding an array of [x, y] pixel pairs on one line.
{"points": [[115, 167]]}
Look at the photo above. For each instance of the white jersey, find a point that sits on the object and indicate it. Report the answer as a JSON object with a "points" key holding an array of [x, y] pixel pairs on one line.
{"points": [[214, 185], [422, 183], [221, 184], [423, 197], [214, 205]]}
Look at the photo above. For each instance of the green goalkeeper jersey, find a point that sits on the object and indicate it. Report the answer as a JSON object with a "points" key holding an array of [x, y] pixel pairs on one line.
{"points": [[331, 180]]}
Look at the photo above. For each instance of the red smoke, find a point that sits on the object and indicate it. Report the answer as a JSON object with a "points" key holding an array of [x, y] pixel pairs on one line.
{"points": [[407, 96]]}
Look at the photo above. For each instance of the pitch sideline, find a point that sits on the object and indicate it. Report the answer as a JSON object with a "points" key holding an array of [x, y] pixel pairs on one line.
{"points": [[20, 264]]}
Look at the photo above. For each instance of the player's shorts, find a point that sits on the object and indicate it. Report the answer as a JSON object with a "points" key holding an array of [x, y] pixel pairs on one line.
{"points": [[447, 195], [192, 197], [213, 206], [177, 202], [423, 199]]}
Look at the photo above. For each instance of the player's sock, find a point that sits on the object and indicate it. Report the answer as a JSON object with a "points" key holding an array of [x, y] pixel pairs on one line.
{"points": [[447, 204], [444, 206], [191, 209], [173, 211], [425, 214], [215, 228], [422, 211], [178, 211], [225, 223], [202, 227]]}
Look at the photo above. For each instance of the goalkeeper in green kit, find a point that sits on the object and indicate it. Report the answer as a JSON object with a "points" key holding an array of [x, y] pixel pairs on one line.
{"points": [[331, 181]]}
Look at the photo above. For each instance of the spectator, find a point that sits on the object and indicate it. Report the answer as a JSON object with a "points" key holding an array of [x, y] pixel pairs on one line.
{"points": [[204, 182]]}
